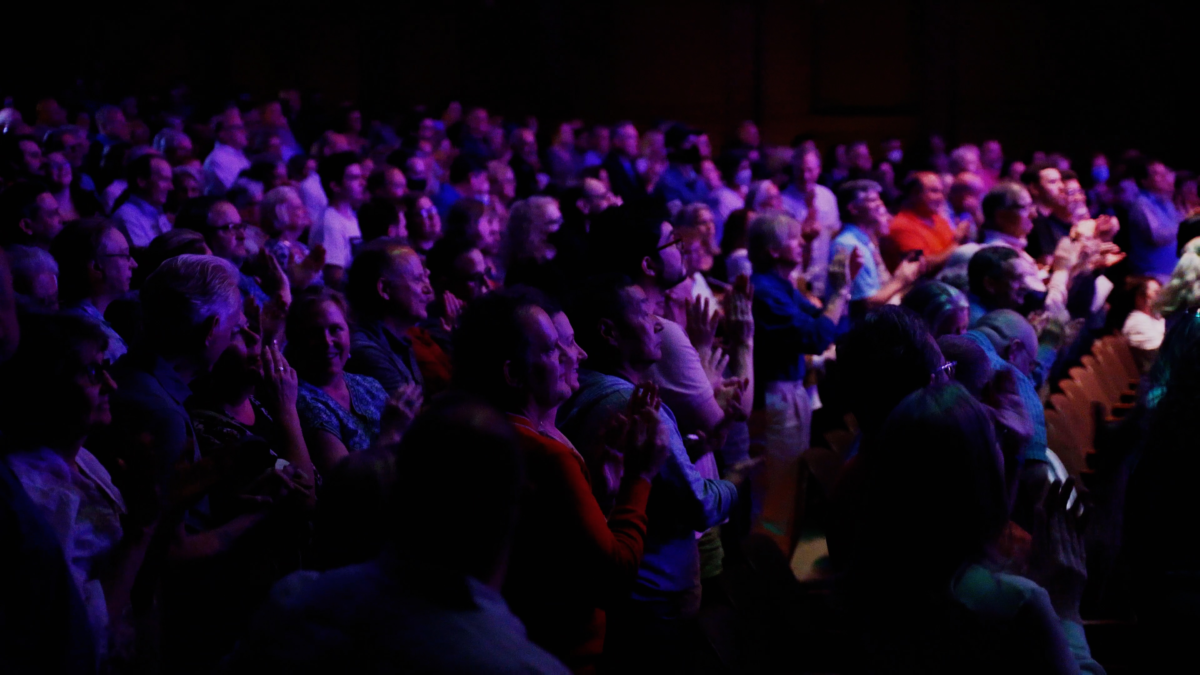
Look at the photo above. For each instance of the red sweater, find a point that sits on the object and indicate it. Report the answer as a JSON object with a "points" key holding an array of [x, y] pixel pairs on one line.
{"points": [[566, 558]]}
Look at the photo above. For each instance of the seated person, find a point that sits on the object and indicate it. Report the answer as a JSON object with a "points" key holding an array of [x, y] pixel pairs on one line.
{"points": [[35, 278], [284, 219], [507, 352], [943, 307], [28, 215], [432, 607], [95, 269], [865, 221], [483, 226], [997, 280]]}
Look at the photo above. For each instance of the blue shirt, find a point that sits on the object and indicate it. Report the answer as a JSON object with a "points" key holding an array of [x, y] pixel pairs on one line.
{"points": [[356, 428], [1155, 222], [786, 327], [445, 197], [682, 502], [1036, 447], [869, 281], [141, 221], [675, 185]]}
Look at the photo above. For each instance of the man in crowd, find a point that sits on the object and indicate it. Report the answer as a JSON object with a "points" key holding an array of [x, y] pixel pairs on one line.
{"points": [[28, 215], [1052, 221], [337, 230], [468, 178], [816, 209], [965, 193], [1154, 221], [389, 292], [621, 163], [920, 225], [866, 221], [141, 216], [227, 158], [680, 183]]}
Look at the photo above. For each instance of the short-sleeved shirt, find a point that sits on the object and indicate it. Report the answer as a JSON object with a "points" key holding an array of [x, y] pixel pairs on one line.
{"points": [[141, 221], [682, 382], [337, 234], [358, 427], [825, 202], [910, 233], [873, 275]]}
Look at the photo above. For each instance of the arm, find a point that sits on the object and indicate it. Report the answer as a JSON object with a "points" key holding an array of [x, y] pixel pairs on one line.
{"points": [[905, 276], [326, 449], [705, 502], [780, 320], [280, 387], [207, 544], [1149, 227]]}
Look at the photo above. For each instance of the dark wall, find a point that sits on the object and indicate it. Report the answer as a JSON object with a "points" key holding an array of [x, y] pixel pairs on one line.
{"points": [[1065, 75]]}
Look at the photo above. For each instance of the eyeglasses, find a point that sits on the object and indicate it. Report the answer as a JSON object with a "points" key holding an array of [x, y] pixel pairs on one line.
{"points": [[945, 370], [230, 227], [96, 372], [427, 212], [122, 256], [675, 241]]}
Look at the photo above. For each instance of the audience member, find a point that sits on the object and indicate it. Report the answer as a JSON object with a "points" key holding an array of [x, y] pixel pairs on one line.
{"points": [[1053, 219], [1154, 222], [141, 215], [867, 221], [920, 225], [95, 268], [337, 230], [30, 215], [816, 209]]}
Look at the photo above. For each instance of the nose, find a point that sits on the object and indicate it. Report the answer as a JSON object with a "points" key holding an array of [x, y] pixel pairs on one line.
{"points": [[106, 382]]}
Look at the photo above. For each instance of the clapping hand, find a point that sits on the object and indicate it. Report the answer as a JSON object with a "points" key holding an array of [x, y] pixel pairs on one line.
{"points": [[702, 322], [280, 383], [1058, 558], [739, 314]]}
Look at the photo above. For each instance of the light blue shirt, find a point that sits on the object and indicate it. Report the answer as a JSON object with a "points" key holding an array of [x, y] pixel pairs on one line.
{"points": [[870, 279], [141, 221]]}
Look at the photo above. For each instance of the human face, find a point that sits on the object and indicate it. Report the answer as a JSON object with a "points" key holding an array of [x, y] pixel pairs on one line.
{"points": [[790, 252], [670, 267], [353, 184], [470, 271], [626, 140], [640, 341], [955, 324], [1010, 293], [809, 169], [226, 234], [1017, 221], [931, 197], [429, 225], [74, 149], [160, 183], [234, 135], [31, 155], [504, 184], [543, 378], [488, 232], [46, 223], [748, 134], [874, 213], [1160, 179], [550, 221], [394, 185], [221, 336], [241, 362], [1053, 190], [572, 353], [58, 170], [991, 155], [325, 341], [114, 263], [1076, 198], [94, 386], [770, 199], [859, 157], [407, 287], [479, 183]]}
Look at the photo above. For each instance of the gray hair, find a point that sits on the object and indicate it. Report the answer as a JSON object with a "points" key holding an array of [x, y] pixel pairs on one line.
{"points": [[272, 209], [28, 263], [184, 292], [1004, 196], [766, 232], [958, 157], [525, 240]]}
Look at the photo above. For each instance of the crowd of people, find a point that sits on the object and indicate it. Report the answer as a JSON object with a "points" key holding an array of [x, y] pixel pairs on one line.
{"points": [[291, 390]]}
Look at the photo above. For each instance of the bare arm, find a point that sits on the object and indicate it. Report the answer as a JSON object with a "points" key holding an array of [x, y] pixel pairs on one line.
{"points": [[326, 450]]}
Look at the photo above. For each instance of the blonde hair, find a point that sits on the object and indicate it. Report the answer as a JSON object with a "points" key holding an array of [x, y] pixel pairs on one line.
{"points": [[766, 232], [271, 211], [1183, 289]]}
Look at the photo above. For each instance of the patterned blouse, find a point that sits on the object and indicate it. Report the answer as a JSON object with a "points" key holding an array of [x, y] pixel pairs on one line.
{"points": [[358, 427]]}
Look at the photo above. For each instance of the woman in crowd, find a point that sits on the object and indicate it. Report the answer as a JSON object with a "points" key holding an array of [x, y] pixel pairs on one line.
{"points": [[60, 371], [734, 258], [482, 226], [94, 269], [285, 219], [340, 412], [949, 609], [508, 352]]}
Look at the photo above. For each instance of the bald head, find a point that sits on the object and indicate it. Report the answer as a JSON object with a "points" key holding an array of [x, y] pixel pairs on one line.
{"points": [[1012, 336], [972, 368]]}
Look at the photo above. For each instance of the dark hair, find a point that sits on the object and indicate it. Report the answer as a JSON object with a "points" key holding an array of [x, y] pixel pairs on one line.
{"points": [[47, 356], [376, 216], [622, 236], [298, 313], [912, 185], [19, 202], [602, 297], [371, 263], [141, 167], [1189, 229], [892, 349], [933, 301], [973, 368], [378, 178], [850, 192], [12, 160], [489, 334], [477, 510], [1002, 197], [463, 166], [332, 169], [441, 258], [462, 218], [737, 229], [263, 171], [1068, 174], [75, 249], [1032, 173], [728, 164], [934, 461], [988, 263]]}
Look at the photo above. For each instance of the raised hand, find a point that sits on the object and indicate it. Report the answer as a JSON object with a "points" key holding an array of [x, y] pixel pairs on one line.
{"points": [[714, 362], [854, 265], [647, 444], [275, 281], [399, 411], [454, 308], [1057, 557], [281, 385], [702, 322], [739, 315], [730, 395]]}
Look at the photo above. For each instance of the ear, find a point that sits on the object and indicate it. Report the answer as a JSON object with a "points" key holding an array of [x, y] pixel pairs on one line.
{"points": [[208, 328], [1014, 347], [648, 267], [26, 226], [381, 289], [608, 332], [509, 377]]}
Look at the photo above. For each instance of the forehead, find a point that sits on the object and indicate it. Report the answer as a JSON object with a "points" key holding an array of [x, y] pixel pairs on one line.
{"points": [[113, 240], [1049, 175], [224, 211], [538, 327]]}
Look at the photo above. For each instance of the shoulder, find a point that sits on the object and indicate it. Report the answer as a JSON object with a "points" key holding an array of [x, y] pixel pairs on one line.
{"points": [[367, 386], [993, 594]]}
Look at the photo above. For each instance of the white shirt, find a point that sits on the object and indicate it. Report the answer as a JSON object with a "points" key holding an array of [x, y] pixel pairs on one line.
{"points": [[337, 234], [817, 273], [141, 220], [313, 196], [1144, 331], [222, 167]]}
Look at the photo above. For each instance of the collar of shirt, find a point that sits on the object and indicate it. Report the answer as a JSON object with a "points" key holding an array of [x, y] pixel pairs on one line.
{"points": [[144, 206], [170, 380], [857, 233], [996, 237]]}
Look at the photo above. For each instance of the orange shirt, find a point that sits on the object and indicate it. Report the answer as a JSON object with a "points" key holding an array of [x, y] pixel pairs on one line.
{"points": [[910, 233]]}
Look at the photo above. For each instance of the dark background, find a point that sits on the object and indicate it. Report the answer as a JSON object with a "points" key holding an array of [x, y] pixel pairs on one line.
{"points": [[1064, 75]]}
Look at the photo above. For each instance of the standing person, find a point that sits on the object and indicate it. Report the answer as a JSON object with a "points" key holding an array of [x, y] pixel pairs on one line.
{"points": [[1154, 222], [95, 268], [621, 163], [786, 326], [867, 221], [1052, 220], [816, 209], [508, 353], [338, 231], [920, 225]]}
